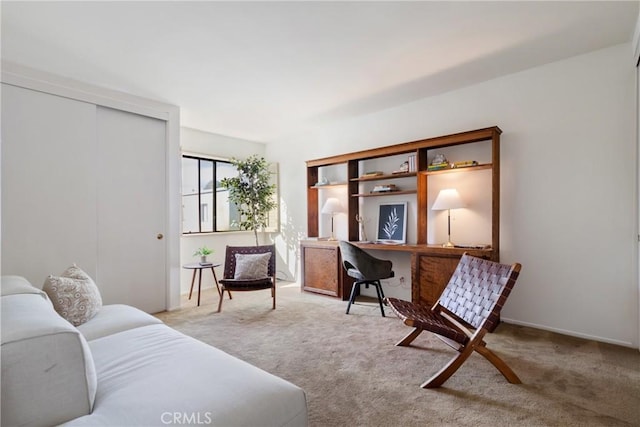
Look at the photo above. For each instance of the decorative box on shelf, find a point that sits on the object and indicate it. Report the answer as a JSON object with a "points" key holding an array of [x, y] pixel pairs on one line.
{"points": [[438, 166], [384, 188], [371, 174], [464, 164]]}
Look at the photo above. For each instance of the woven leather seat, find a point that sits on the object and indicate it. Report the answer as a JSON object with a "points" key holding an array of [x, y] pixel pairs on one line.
{"points": [[422, 317], [467, 309]]}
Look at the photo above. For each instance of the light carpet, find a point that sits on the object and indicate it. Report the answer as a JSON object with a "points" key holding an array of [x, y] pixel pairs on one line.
{"points": [[353, 375]]}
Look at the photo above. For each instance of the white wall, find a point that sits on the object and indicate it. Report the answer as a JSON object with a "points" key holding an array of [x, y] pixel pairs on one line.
{"points": [[222, 147], [568, 184]]}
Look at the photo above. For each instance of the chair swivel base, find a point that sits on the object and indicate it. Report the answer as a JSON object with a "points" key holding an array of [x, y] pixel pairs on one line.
{"points": [[355, 290]]}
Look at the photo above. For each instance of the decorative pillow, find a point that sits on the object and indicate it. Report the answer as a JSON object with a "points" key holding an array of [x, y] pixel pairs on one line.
{"points": [[74, 295], [252, 266]]}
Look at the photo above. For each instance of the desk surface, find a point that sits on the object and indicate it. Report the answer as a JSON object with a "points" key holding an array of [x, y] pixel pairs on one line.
{"points": [[431, 249]]}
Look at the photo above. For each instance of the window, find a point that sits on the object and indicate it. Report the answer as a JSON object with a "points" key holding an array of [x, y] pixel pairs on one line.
{"points": [[205, 205]]}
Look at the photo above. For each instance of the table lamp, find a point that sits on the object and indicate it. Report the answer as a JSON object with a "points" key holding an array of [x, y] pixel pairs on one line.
{"points": [[332, 206], [448, 199]]}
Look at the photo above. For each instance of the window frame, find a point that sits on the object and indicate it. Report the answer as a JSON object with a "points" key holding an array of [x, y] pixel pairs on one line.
{"points": [[213, 212]]}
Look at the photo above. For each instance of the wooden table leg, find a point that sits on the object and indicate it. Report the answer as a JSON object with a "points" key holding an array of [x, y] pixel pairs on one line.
{"points": [[215, 279], [193, 279], [199, 285]]}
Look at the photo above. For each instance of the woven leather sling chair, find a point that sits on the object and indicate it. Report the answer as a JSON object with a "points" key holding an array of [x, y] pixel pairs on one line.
{"points": [[249, 268], [467, 309], [366, 269]]}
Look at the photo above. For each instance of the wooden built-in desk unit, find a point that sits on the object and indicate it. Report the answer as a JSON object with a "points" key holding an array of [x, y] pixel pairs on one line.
{"points": [[431, 265]]}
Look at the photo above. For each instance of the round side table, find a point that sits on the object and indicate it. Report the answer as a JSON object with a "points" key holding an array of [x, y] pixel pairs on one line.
{"points": [[197, 269]]}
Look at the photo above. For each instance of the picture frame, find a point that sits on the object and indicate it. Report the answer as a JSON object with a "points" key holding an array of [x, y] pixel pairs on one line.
{"points": [[392, 223]]}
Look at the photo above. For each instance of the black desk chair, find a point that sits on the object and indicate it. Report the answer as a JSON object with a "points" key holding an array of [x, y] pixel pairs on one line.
{"points": [[366, 269]]}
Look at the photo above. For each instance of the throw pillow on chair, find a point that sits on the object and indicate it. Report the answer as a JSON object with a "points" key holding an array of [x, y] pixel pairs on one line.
{"points": [[252, 266]]}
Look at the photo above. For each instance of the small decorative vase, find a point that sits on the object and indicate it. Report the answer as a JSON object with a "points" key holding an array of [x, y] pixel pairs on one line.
{"points": [[203, 259]]}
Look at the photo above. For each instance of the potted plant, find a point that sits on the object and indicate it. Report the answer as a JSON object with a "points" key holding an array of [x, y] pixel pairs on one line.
{"points": [[252, 192], [202, 253]]}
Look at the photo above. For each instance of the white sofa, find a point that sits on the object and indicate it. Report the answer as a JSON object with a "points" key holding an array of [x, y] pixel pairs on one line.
{"points": [[126, 368]]}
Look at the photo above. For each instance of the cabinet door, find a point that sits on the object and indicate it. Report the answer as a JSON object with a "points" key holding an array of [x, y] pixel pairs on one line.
{"points": [[320, 270], [431, 273], [48, 189], [131, 181]]}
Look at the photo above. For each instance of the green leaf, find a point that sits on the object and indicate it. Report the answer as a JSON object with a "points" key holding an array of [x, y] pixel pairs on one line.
{"points": [[251, 192]]}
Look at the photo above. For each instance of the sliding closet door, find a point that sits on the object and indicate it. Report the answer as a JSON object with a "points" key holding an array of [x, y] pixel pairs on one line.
{"points": [[131, 183], [48, 196]]}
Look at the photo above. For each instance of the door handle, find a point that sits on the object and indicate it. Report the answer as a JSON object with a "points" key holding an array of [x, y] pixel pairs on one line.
{"points": [[159, 236]]}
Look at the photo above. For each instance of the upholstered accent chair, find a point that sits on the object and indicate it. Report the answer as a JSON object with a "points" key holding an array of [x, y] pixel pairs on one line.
{"points": [[467, 309], [249, 268]]}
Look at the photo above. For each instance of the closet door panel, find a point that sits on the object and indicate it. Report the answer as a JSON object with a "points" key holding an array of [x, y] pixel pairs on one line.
{"points": [[48, 194], [131, 182]]}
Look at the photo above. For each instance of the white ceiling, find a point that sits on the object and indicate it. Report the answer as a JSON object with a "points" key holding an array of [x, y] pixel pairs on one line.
{"points": [[263, 70]]}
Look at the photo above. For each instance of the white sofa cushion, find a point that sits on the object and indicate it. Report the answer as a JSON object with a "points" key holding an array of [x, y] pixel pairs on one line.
{"points": [[154, 375], [11, 285], [48, 374], [115, 318]]}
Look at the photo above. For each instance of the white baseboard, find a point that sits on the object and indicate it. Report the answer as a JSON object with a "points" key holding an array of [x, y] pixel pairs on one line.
{"points": [[570, 333]]}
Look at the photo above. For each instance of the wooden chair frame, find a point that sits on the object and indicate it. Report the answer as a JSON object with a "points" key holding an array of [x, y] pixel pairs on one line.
{"points": [[467, 309], [228, 283]]}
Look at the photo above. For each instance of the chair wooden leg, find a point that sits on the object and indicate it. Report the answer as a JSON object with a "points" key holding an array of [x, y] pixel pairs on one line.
{"points": [[221, 298], [496, 361], [353, 295], [449, 369], [404, 342], [273, 295]]}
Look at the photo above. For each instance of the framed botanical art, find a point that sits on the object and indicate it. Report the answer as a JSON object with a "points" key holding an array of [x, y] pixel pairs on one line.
{"points": [[392, 223]]}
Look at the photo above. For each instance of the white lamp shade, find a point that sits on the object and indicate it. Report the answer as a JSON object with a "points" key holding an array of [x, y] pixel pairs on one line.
{"points": [[331, 206], [448, 199]]}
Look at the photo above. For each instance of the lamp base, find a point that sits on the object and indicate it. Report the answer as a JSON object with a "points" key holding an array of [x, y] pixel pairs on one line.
{"points": [[448, 245]]}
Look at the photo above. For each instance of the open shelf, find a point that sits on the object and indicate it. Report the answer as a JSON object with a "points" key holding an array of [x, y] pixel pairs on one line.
{"points": [[319, 187], [384, 193], [464, 169], [386, 176]]}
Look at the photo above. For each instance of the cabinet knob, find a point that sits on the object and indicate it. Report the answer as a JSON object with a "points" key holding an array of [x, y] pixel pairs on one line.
{"points": [[159, 236]]}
